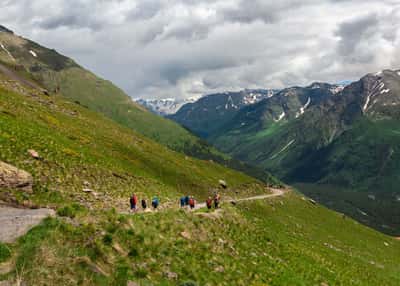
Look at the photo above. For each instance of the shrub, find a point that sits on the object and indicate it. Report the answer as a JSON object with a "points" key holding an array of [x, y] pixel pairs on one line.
{"points": [[107, 239], [5, 252], [70, 210]]}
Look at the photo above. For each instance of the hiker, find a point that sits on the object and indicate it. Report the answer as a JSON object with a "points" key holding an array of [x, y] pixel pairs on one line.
{"points": [[209, 203], [133, 202], [217, 199], [183, 202], [192, 202], [187, 200], [144, 204], [155, 202]]}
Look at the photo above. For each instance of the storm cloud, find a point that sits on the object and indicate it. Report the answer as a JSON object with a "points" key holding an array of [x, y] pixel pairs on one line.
{"points": [[184, 48]]}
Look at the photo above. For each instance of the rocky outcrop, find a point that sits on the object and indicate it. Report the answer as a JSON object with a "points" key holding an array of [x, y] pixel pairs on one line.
{"points": [[14, 178]]}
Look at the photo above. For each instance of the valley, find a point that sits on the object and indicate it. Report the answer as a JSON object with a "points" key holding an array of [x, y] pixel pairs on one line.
{"points": [[323, 134]]}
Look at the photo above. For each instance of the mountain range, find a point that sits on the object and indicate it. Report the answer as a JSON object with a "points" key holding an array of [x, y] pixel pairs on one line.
{"points": [[341, 143], [210, 112]]}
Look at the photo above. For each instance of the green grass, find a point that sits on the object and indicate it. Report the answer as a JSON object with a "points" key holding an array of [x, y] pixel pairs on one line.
{"points": [[281, 241], [78, 145], [60, 74]]}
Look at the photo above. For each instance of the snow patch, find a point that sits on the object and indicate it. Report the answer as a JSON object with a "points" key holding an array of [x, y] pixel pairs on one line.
{"points": [[337, 89], [385, 91], [280, 117], [33, 53], [283, 149], [366, 103], [361, 212], [231, 103], [398, 73], [378, 73], [303, 108], [7, 51]]}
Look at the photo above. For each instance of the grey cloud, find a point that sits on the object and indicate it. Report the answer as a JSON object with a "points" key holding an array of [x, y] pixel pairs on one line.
{"points": [[164, 48], [351, 33]]}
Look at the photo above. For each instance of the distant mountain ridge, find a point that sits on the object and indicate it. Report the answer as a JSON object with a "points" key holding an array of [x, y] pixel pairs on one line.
{"points": [[345, 137], [212, 111]]}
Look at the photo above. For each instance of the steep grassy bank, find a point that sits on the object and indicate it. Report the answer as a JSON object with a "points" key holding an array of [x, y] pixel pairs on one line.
{"points": [[60, 74], [78, 146]]}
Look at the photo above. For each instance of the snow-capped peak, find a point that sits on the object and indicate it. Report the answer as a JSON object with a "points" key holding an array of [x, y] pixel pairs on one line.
{"points": [[164, 106]]}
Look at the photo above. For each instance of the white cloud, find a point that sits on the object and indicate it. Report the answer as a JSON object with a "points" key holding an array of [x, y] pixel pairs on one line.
{"points": [[180, 48]]}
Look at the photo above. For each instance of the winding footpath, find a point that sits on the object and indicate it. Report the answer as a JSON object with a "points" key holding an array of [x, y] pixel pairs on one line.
{"points": [[275, 193], [16, 222]]}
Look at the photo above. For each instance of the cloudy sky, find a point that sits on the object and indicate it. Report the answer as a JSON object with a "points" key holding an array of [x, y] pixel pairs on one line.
{"points": [[183, 48]]}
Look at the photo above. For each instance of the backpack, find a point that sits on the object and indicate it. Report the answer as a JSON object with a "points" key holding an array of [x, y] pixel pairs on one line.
{"points": [[191, 201]]}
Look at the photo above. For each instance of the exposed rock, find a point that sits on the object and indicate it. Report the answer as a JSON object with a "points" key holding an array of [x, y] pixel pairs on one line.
{"points": [[34, 154], [17, 222], [131, 283], [6, 267], [186, 235], [219, 269], [14, 178], [171, 275], [87, 190], [223, 184]]}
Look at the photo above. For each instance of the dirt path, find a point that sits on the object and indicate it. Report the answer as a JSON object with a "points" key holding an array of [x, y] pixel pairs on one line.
{"points": [[275, 193], [16, 222]]}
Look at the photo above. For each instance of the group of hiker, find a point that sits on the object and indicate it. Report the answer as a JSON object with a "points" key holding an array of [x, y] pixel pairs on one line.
{"points": [[189, 201], [155, 202], [185, 201]]}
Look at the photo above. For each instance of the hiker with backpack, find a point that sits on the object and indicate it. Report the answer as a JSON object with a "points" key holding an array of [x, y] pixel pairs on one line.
{"points": [[155, 202], [192, 202], [133, 201], [209, 203], [217, 199], [187, 198], [144, 204], [183, 202]]}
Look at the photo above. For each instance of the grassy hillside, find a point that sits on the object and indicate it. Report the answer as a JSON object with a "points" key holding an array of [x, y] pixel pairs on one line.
{"points": [[284, 241], [77, 144], [62, 75]]}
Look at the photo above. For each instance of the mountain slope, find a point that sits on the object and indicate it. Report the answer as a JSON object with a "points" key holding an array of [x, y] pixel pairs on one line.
{"points": [[348, 141], [205, 116], [59, 74]]}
